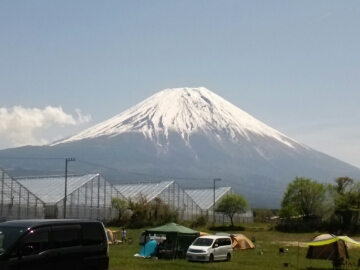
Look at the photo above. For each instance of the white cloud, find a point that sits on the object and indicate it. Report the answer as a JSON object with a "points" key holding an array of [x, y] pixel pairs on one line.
{"points": [[19, 126]]}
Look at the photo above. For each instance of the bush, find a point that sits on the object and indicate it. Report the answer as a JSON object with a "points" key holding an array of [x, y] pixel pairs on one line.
{"points": [[301, 226], [200, 221]]}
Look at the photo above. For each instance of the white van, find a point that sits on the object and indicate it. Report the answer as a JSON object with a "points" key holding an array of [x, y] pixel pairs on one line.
{"points": [[210, 248]]}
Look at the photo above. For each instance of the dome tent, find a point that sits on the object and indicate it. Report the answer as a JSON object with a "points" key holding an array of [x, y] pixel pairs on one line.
{"points": [[241, 242], [327, 247]]}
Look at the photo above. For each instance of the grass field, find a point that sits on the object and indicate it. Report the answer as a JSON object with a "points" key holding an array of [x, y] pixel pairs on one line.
{"points": [[266, 255]]}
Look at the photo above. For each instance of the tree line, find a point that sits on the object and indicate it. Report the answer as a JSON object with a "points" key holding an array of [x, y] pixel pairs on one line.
{"points": [[309, 205], [139, 213]]}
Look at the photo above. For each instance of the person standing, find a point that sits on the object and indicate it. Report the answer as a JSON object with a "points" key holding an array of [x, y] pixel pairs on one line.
{"points": [[123, 235]]}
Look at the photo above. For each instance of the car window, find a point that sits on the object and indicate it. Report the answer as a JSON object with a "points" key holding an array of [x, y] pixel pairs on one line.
{"points": [[203, 242], [8, 235], [37, 241], [227, 242], [66, 236], [92, 234]]}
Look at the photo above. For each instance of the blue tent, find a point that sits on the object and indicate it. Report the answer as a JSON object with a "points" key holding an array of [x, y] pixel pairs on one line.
{"points": [[148, 249]]}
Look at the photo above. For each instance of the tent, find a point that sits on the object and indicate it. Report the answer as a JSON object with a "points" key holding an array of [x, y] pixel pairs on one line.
{"points": [[329, 247], [180, 235], [148, 249], [240, 241]]}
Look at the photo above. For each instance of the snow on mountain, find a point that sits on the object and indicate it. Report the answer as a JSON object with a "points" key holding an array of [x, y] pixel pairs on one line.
{"points": [[185, 111]]}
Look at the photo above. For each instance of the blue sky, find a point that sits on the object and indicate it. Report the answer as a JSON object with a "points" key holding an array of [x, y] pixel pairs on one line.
{"points": [[294, 65]]}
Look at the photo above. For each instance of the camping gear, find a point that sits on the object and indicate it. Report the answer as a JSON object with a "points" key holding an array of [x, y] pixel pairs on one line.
{"points": [[240, 242], [328, 247], [180, 235], [148, 249]]}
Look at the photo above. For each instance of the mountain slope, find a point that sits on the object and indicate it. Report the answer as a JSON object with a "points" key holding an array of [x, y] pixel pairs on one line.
{"points": [[190, 135], [185, 111]]}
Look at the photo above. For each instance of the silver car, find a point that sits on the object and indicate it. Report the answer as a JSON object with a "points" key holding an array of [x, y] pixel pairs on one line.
{"points": [[210, 248]]}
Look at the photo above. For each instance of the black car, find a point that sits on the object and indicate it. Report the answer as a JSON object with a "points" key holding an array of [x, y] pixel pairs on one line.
{"points": [[53, 244]]}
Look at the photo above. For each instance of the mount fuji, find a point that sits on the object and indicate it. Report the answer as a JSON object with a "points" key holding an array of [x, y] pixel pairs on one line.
{"points": [[190, 135]]}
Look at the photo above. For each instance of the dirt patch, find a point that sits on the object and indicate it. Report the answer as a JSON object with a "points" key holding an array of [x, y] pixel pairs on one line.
{"points": [[290, 243]]}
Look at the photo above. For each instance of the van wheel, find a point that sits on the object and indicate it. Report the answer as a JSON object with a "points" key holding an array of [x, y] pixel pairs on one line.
{"points": [[211, 258], [228, 257]]}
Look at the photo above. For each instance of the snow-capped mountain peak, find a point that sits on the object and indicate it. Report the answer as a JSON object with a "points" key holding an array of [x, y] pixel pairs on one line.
{"points": [[184, 111]]}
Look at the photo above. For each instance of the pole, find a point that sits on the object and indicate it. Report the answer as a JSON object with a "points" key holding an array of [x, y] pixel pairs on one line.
{"points": [[66, 164], [217, 179]]}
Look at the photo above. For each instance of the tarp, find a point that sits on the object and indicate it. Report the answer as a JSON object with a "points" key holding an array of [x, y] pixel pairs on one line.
{"points": [[111, 236], [173, 228], [332, 239], [148, 249], [181, 236], [240, 242], [329, 247]]}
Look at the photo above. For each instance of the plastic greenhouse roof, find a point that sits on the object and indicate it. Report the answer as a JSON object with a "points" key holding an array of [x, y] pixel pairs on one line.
{"points": [[205, 197], [149, 190], [51, 189]]}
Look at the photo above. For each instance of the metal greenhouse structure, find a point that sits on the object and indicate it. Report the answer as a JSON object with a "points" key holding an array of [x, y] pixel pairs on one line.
{"points": [[208, 200], [17, 201], [168, 191], [88, 196]]}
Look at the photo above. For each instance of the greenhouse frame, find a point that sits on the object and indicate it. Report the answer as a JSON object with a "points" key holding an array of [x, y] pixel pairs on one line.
{"points": [[17, 201], [88, 196], [209, 198], [168, 191]]}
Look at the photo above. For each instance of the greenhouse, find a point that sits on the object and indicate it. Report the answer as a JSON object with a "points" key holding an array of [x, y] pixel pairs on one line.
{"points": [[16, 201], [87, 196], [168, 191], [209, 198]]}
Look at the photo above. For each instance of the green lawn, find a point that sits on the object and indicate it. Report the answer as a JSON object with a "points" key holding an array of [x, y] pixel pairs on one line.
{"points": [[265, 256]]}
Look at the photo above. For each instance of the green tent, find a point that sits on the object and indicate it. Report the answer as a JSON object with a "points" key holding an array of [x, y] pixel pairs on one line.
{"points": [[181, 236]]}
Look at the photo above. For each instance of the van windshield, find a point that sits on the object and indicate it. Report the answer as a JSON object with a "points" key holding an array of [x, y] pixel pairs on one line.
{"points": [[8, 235], [203, 242]]}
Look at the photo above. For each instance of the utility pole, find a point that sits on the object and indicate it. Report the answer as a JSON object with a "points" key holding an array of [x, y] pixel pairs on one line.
{"points": [[66, 162], [217, 179]]}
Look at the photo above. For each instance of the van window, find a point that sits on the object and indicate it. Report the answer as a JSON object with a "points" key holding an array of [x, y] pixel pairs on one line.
{"points": [[37, 240], [227, 242], [224, 242], [66, 236], [92, 234], [8, 236], [203, 242]]}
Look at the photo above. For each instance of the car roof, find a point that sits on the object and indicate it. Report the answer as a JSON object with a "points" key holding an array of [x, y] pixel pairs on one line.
{"points": [[214, 236], [39, 222]]}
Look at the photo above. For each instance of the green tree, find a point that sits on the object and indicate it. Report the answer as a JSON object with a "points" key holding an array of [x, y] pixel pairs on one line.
{"points": [[346, 196], [140, 211], [304, 197], [160, 212], [122, 207], [232, 204]]}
